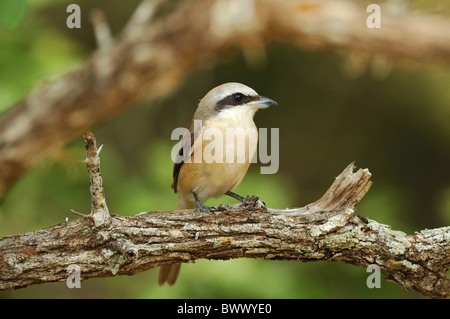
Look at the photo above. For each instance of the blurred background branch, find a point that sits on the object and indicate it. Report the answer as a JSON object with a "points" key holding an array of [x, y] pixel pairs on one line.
{"points": [[152, 57]]}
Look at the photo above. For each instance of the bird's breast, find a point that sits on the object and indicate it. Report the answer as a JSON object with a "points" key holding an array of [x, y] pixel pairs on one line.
{"points": [[226, 149]]}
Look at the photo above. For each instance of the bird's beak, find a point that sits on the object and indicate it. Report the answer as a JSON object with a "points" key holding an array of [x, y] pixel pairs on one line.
{"points": [[262, 103]]}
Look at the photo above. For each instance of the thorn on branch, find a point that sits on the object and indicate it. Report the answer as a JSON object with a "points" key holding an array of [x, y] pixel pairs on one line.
{"points": [[102, 31], [81, 215], [144, 14], [99, 209]]}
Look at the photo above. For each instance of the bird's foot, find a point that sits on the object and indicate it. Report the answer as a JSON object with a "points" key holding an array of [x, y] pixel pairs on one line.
{"points": [[200, 207]]}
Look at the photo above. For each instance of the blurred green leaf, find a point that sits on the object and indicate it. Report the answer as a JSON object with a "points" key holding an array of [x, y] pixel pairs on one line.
{"points": [[12, 13]]}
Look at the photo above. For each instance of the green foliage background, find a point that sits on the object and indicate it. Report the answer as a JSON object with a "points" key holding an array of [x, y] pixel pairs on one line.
{"points": [[398, 126]]}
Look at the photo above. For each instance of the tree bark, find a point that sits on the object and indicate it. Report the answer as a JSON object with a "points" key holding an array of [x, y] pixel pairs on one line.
{"points": [[327, 230], [152, 56]]}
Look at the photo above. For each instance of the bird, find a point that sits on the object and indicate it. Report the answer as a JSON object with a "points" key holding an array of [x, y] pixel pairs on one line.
{"points": [[226, 110]]}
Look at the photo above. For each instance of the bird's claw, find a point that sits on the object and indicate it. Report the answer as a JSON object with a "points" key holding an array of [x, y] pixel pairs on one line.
{"points": [[199, 207]]}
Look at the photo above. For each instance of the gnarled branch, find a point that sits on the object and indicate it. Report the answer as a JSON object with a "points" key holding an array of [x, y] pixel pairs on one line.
{"points": [[326, 230]]}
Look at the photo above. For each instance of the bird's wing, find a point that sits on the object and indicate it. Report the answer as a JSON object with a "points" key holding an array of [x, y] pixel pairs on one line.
{"points": [[186, 144]]}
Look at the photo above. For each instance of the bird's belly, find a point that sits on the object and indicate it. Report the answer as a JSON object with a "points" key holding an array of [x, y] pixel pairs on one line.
{"points": [[221, 167], [218, 178], [210, 180]]}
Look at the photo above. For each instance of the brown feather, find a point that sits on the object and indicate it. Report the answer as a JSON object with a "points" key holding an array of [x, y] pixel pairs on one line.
{"points": [[181, 158]]}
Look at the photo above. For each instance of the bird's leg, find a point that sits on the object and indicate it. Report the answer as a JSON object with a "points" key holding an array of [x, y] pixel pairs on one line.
{"points": [[199, 206], [244, 200], [238, 197]]}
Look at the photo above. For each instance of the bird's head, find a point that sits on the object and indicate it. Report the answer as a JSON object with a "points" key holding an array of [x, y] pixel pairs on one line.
{"points": [[231, 98]]}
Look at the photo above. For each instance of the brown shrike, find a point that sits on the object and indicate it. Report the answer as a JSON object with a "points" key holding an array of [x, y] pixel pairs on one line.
{"points": [[198, 174]]}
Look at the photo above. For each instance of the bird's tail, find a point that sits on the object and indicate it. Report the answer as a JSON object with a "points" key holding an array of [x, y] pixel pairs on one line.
{"points": [[169, 273]]}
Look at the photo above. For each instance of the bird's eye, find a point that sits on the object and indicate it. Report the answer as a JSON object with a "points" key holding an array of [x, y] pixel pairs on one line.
{"points": [[238, 97]]}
